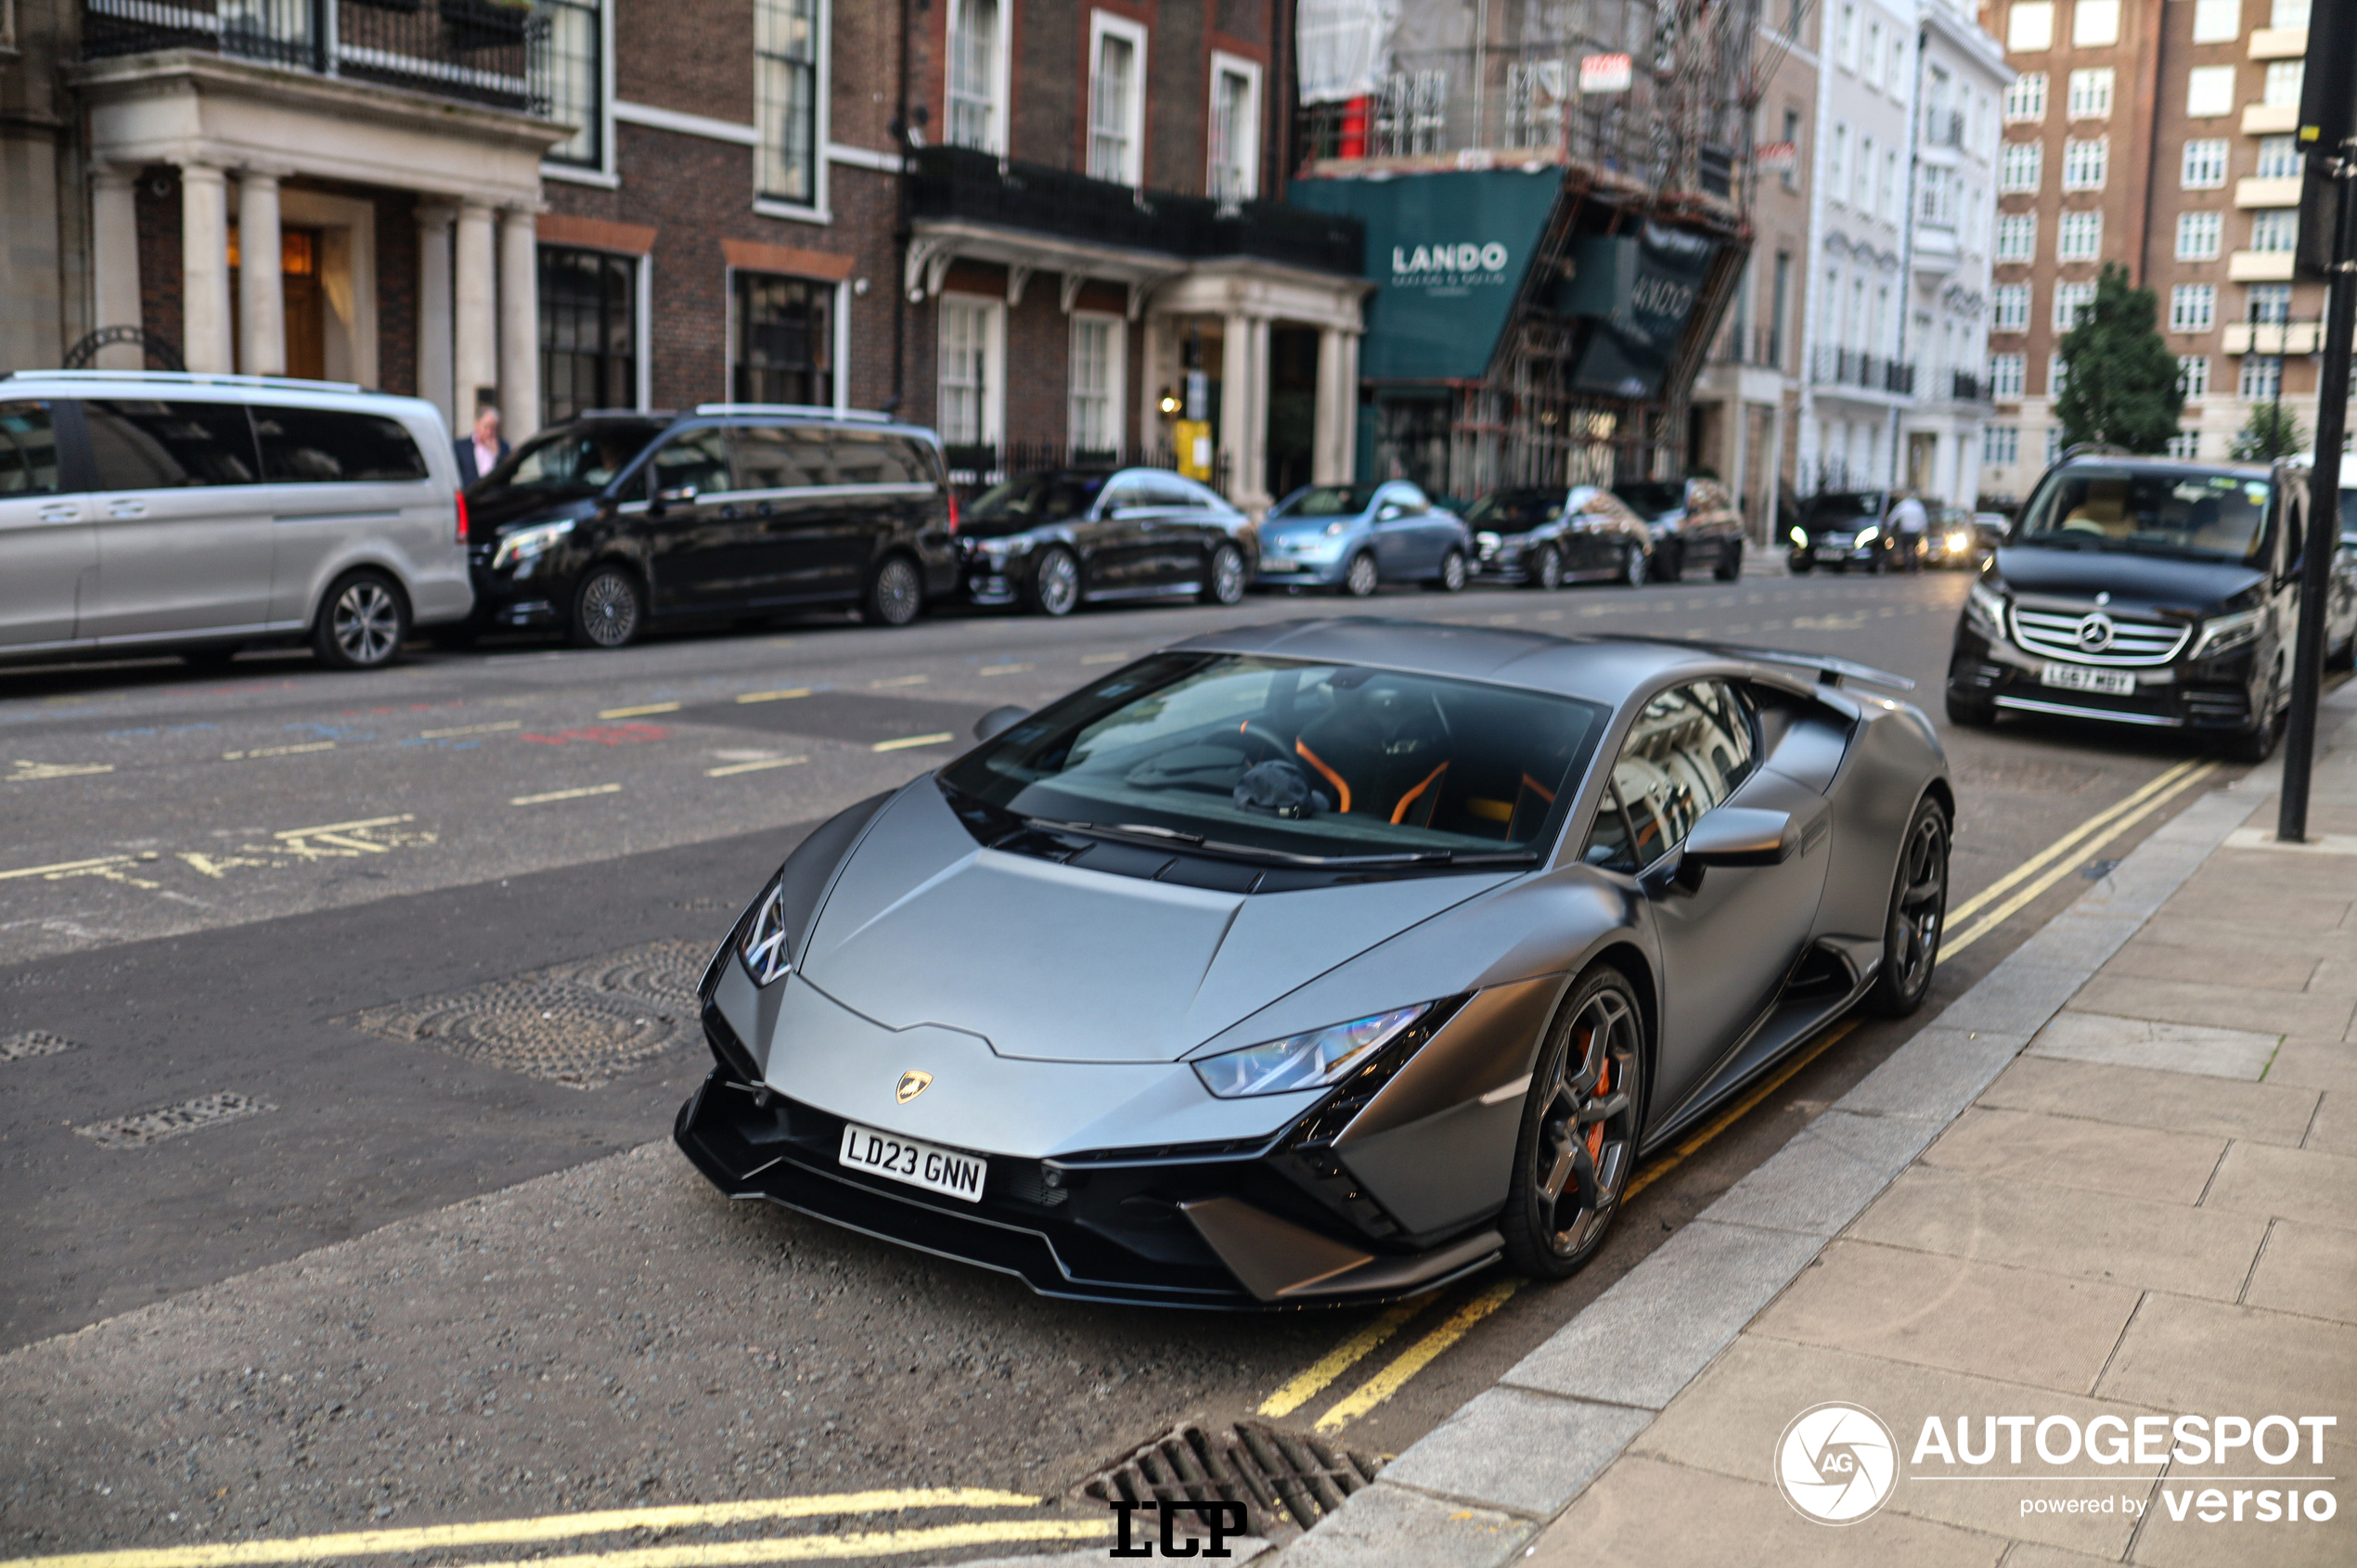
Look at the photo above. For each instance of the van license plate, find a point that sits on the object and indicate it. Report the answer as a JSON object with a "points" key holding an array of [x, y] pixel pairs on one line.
{"points": [[918, 1164], [2078, 677]]}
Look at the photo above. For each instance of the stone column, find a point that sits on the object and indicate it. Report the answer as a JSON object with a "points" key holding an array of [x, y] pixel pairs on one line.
{"points": [[204, 269], [262, 296], [476, 357], [1325, 440], [1251, 491], [434, 220], [114, 259], [1235, 403], [1349, 443], [519, 323]]}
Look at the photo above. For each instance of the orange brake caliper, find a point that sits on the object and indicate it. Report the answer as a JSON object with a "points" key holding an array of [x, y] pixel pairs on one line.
{"points": [[1597, 1131]]}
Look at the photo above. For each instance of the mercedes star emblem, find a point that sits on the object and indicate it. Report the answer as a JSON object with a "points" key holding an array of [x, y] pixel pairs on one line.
{"points": [[2094, 633]]}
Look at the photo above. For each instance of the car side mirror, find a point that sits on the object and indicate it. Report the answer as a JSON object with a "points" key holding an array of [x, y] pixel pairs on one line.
{"points": [[1737, 835], [999, 721], [678, 495]]}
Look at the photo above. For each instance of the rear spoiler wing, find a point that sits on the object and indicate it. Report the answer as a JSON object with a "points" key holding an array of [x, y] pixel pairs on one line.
{"points": [[1830, 669]]}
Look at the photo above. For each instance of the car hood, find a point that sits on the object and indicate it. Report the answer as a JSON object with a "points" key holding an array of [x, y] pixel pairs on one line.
{"points": [[493, 512], [1305, 527], [2194, 586], [1056, 963]]}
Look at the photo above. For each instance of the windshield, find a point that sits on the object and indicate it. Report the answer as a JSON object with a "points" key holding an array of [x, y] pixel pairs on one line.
{"points": [[2166, 512], [1275, 760], [1512, 511], [1327, 500], [1846, 505], [1652, 497], [1028, 500], [573, 459]]}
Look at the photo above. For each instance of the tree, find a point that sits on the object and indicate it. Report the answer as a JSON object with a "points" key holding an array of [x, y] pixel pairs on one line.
{"points": [[2271, 431], [2120, 381]]}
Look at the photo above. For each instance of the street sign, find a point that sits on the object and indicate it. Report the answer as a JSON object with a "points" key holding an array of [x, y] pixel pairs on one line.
{"points": [[1605, 73], [1777, 158]]}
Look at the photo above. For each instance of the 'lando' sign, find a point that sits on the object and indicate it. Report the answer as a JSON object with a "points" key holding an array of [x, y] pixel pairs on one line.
{"points": [[1449, 266]]}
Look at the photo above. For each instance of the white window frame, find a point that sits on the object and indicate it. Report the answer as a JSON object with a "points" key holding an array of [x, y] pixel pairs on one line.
{"points": [[2260, 379], [2095, 24], [2086, 163], [2288, 14], [2069, 300], [1865, 202], [1117, 389], [2216, 21], [2279, 158], [2281, 87], [1870, 59], [1102, 24], [2057, 374], [1894, 189], [2008, 375], [1999, 446], [2029, 27], [602, 174], [816, 210], [1002, 79], [2199, 233], [2090, 224], [2090, 92], [2009, 307], [1845, 37], [839, 314], [2021, 166], [1840, 163], [2193, 375], [2279, 226], [2209, 92], [2026, 98], [2023, 224], [2182, 300], [2214, 148], [1225, 64], [993, 408]]}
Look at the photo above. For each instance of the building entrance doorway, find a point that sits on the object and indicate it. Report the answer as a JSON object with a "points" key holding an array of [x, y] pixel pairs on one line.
{"points": [[304, 302]]}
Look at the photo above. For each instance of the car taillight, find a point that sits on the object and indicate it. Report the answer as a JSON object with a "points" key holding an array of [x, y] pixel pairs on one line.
{"points": [[462, 517], [953, 514]]}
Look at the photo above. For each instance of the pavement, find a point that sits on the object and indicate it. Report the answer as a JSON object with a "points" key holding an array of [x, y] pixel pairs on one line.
{"points": [[2116, 1178]]}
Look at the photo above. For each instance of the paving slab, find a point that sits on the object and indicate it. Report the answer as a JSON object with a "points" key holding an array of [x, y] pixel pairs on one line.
{"points": [[1522, 1452], [2022, 998], [2142, 1042], [2309, 1061], [2289, 1183], [2308, 1269], [2271, 968], [1934, 1075], [2076, 1151], [2263, 1112], [1830, 1170], [2224, 1007], [2030, 1554], [2180, 1354], [2334, 1129], [1384, 1525]]}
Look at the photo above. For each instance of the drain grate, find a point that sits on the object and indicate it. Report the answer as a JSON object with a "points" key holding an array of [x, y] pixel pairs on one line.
{"points": [[34, 1042], [1286, 1480], [147, 1128], [582, 1024]]}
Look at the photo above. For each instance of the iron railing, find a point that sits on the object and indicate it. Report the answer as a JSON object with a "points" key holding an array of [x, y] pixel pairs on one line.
{"points": [[1755, 345], [1966, 387], [1848, 367], [974, 467]]}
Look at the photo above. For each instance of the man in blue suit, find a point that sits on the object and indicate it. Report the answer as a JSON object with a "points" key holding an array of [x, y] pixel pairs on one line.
{"points": [[479, 453]]}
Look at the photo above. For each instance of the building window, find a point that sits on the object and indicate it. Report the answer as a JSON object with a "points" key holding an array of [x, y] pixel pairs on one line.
{"points": [[2095, 24], [2025, 97], [1096, 382], [2198, 236], [1840, 167], [2193, 307], [2274, 230], [2185, 445], [970, 356], [2216, 21], [2205, 166], [2268, 303], [1782, 291], [2069, 300], [2017, 236], [2288, 14], [1235, 127], [2005, 375], [2079, 237], [2030, 26], [977, 85], [2084, 164], [1898, 67], [2278, 157], [2021, 166], [1873, 61], [2263, 377], [2000, 445], [785, 339], [1865, 202], [589, 332], [571, 57], [2193, 374], [785, 45], [2090, 94], [2010, 312], [2057, 375], [2283, 83], [2210, 91], [1937, 203], [1116, 106], [1845, 37], [1893, 189], [1792, 138]]}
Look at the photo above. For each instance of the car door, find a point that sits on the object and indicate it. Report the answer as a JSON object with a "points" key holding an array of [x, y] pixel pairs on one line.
{"points": [[1402, 522], [1117, 539], [333, 478], [1180, 529], [1730, 937], [881, 492], [784, 481], [695, 558], [1592, 543], [185, 531], [48, 549]]}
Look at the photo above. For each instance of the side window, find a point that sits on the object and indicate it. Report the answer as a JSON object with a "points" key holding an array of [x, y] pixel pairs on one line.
{"points": [[1168, 489], [1727, 739], [331, 446], [1124, 491], [146, 445], [1687, 752], [864, 457], [696, 462], [1608, 842], [779, 458], [28, 450], [1408, 499]]}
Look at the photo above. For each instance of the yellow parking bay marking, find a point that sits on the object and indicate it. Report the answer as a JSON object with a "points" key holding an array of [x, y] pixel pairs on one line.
{"points": [[1693, 1141], [468, 729], [27, 771], [1105, 658], [821, 1549], [1417, 1357], [642, 710], [901, 680], [755, 766], [582, 793], [786, 695], [1004, 669], [278, 751], [1340, 1359], [2031, 866], [65, 868], [548, 1527], [908, 740]]}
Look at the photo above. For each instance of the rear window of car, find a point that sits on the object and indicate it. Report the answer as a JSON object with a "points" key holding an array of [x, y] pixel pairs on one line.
{"points": [[1652, 497], [334, 446], [145, 444]]}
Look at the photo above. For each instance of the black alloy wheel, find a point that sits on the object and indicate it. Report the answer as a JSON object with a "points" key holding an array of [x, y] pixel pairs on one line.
{"points": [[1730, 561], [895, 594], [1635, 568], [363, 622], [1546, 568], [1359, 579], [1223, 578], [1452, 572], [1054, 588], [1918, 905], [1799, 566], [1580, 1126], [608, 608]]}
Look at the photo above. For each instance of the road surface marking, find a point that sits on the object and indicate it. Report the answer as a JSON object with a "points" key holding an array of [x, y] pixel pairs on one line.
{"points": [[642, 710], [1340, 1359], [2031, 866], [1004, 669], [1417, 1357], [908, 740], [820, 1549], [343, 827], [66, 867], [277, 752], [1105, 658], [28, 771], [753, 767], [549, 1527], [567, 794], [1693, 1141], [468, 729], [774, 696], [901, 680]]}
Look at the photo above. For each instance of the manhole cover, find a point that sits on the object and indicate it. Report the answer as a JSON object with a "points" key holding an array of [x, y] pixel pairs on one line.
{"points": [[145, 1128], [33, 1042], [1286, 1480], [582, 1023]]}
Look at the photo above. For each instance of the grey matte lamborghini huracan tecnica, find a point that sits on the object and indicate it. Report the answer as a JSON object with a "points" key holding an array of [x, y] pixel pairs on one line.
{"points": [[1324, 961]]}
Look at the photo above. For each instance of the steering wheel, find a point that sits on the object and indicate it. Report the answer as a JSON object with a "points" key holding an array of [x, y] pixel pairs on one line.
{"points": [[1252, 732]]}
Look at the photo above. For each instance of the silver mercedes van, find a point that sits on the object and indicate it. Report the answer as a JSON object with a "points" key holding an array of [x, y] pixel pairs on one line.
{"points": [[150, 512]]}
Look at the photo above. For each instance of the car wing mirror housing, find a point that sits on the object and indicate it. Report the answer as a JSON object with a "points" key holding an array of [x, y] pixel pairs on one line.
{"points": [[999, 721], [1735, 835]]}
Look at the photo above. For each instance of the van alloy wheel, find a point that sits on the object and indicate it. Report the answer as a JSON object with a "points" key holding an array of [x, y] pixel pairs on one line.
{"points": [[363, 623]]}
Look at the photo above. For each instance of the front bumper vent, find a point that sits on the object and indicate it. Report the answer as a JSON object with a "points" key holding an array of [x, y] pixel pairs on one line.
{"points": [[1285, 1481]]}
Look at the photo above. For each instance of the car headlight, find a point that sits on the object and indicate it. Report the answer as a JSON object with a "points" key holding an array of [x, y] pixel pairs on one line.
{"points": [[1985, 608], [1337, 527], [1869, 533], [1311, 1061], [765, 944], [1801, 537], [2224, 633], [529, 544], [1956, 543]]}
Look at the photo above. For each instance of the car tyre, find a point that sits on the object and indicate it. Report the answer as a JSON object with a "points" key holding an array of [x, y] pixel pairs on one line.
{"points": [[1452, 572], [1918, 907], [896, 593], [2256, 744], [1547, 568], [1360, 579], [1969, 713], [608, 607], [1223, 580], [1670, 561], [1799, 566], [362, 623], [1579, 1128], [1730, 561], [1635, 568], [1053, 586], [2343, 658]]}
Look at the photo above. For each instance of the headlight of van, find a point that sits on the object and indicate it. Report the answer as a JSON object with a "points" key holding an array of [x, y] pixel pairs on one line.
{"points": [[1869, 533], [529, 544], [1985, 608], [1801, 537], [2223, 634]]}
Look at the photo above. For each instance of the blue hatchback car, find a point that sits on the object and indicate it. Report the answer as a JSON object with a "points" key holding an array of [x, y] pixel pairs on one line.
{"points": [[1356, 537]]}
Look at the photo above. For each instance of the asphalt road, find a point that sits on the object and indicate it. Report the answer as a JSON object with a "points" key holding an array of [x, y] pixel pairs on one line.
{"points": [[324, 910]]}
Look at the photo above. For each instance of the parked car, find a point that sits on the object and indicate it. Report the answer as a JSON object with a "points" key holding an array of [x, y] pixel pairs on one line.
{"points": [[1356, 537], [1990, 528], [1839, 529], [148, 511], [604, 525], [1692, 521], [2148, 592], [1381, 951], [1952, 541], [1055, 540], [1545, 537]]}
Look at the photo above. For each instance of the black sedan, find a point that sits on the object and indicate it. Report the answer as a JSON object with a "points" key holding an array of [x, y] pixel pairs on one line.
{"points": [[1693, 522], [1055, 540], [1839, 529]]}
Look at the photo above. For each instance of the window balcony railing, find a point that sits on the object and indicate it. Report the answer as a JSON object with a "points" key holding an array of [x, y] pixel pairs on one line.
{"points": [[961, 183], [483, 51], [1848, 367], [1943, 127], [1753, 345], [1966, 387]]}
